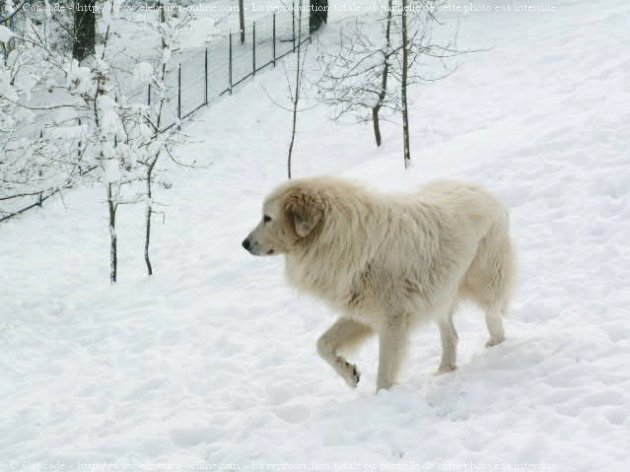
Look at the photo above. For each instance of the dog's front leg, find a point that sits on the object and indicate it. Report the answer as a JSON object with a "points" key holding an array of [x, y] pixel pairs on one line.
{"points": [[393, 342], [343, 333], [448, 335]]}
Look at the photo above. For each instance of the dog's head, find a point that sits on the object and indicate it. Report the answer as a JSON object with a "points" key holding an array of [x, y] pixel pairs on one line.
{"points": [[291, 216]]}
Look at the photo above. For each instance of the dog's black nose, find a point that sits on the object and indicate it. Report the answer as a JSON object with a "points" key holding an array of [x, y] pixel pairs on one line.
{"points": [[247, 244]]}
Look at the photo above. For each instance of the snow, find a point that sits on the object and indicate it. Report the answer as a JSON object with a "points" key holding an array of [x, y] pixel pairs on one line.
{"points": [[212, 360], [143, 72], [5, 34], [80, 79]]}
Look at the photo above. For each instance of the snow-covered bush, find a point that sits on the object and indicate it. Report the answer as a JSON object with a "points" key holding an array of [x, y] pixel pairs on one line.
{"points": [[61, 119], [38, 141]]}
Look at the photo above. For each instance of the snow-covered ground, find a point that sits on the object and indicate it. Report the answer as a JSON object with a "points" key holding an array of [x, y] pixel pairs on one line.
{"points": [[212, 362]]}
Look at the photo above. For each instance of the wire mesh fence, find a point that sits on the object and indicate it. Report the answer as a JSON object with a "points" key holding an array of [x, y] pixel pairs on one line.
{"points": [[197, 77]]}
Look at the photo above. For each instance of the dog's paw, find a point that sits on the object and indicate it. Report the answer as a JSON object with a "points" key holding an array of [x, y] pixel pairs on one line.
{"points": [[446, 369], [494, 341], [353, 375]]}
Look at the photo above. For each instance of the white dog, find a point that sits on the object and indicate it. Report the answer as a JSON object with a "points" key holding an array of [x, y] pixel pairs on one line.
{"points": [[386, 262]]}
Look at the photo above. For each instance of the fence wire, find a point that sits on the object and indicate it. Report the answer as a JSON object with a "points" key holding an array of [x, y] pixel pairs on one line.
{"points": [[197, 77]]}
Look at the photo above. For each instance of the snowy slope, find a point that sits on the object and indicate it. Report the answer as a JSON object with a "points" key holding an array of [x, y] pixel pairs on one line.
{"points": [[212, 361]]}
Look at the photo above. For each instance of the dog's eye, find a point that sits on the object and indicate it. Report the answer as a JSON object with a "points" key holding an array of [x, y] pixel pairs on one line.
{"points": [[266, 218]]}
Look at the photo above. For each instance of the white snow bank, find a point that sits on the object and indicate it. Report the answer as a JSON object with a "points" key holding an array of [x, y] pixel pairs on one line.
{"points": [[212, 361]]}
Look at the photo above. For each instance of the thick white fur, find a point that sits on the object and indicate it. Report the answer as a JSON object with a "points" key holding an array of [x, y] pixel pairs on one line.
{"points": [[387, 262]]}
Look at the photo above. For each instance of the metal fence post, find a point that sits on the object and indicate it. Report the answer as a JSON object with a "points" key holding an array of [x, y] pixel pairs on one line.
{"points": [[254, 48], [205, 81], [273, 29], [149, 95], [179, 91], [230, 62]]}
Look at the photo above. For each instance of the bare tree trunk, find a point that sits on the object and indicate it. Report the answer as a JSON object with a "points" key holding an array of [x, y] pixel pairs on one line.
{"points": [[318, 14], [403, 85], [149, 214], [296, 92], [162, 18], [377, 125], [383, 92], [84, 29], [151, 165], [113, 243], [292, 142], [241, 20]]}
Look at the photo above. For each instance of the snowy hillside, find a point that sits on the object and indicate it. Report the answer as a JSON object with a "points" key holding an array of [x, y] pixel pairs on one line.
{"points": [[212, 362]]}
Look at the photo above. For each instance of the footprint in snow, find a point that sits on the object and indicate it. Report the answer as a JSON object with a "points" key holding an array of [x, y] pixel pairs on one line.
{"points": [[292, 413]]}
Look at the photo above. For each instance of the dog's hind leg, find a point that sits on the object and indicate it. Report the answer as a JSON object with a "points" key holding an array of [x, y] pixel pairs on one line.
{"points": [[343, 334], [494, 322], [448, 335], [393, 341], [490, 282]]}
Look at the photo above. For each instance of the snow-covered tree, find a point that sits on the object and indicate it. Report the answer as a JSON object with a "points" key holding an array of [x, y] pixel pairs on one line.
{"points": [[98, 101], [38, 141], [295, 90], [81, 120], [370, 71], [154, 139], [356, 77]]}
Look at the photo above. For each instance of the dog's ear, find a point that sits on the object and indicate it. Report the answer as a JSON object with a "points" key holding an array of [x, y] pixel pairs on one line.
{"points": [[305, 211]]}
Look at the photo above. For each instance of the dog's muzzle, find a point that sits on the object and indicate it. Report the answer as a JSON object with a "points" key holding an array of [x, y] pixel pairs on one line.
{"points": [[247, 245]]}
